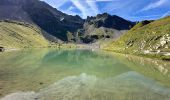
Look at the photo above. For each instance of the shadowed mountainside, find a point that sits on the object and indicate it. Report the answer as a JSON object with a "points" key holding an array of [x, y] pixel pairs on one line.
{"points": [[64, 27], [40, 13]]}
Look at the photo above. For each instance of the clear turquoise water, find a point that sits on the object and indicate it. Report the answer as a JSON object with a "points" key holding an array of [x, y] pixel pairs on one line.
{"points": [[81, 75]]}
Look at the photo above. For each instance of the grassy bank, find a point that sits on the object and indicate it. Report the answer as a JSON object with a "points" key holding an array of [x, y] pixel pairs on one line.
{"points": [[151, 39], [17, 35]]}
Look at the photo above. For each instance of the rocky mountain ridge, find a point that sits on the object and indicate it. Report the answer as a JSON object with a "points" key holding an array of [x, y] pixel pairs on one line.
{"points": [[64, 27]]}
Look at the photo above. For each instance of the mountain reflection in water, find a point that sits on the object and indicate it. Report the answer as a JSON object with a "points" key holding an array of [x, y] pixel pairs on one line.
{"points": [[81, 75]]}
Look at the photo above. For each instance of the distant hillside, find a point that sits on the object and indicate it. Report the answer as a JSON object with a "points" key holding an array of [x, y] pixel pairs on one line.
{"points": [[43, 15], [65, 27], [151, 38], [102, 26], [109, 21], [20, 35]]}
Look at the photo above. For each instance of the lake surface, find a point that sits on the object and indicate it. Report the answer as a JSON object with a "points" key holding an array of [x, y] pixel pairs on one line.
{"points": [[81, 75]]}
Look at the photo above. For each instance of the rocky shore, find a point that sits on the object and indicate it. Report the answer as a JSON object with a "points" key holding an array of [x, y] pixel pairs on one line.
{"points": [[2, 49]]}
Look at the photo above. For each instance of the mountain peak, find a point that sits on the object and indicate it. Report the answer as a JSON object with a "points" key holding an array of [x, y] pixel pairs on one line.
{"points": [[110, 21], [55, 22], [41, 14], [103, 15]]}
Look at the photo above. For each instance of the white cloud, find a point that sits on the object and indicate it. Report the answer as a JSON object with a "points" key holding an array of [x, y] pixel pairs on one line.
{"points": [[70, 11], [93, 6], [146, 17], [118, 5], [130, 9], [80, 7], [86, 7], [71, 8], [100, 0], [155, 5], [56, 3], [166, 14]]}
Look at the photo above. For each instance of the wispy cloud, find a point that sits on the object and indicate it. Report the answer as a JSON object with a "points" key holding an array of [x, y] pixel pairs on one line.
{"points": [[80, 7], [129, 9], [86, 7], [100, 0], [71, 8], [93, 6], [71, 11], [56, 3], [166, 14], [154, 5], [147, 17]]}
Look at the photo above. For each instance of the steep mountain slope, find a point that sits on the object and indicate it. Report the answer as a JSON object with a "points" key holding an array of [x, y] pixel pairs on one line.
{"points": [[102, 26], [20, 35], [141, 24], [109, 21], [40, 13], [149, 39], [62, 26]]}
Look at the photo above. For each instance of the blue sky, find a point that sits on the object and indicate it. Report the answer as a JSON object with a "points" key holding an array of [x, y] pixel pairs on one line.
{"points": [[134, 10]]}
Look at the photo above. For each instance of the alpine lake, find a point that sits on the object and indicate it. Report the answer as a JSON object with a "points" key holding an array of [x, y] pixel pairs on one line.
{"points": [[52, 74]]}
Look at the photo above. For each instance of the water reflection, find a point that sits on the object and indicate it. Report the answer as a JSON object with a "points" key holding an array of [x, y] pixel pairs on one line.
{"points": [[129, 86], [156, 69], [162, 66], [81, 75]]}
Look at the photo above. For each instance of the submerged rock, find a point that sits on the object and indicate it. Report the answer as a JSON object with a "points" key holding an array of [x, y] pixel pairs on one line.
{"points": [[2, 49]]}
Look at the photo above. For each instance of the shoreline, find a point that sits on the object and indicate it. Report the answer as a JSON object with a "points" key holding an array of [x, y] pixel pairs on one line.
{"points": [[93, 47], [152, 56]]}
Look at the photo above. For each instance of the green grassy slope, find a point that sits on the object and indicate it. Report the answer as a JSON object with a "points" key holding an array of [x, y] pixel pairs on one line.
{"points": [[141, 24], [20, 35], [152, 39]]}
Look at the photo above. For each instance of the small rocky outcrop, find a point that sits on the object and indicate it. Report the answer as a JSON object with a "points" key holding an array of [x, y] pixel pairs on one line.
{"points": [[2, 49]]}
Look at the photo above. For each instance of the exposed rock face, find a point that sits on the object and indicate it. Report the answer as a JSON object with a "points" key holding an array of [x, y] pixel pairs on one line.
{"points": [[62, 26], [46, 17], [103, 26], [108, 21]]}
